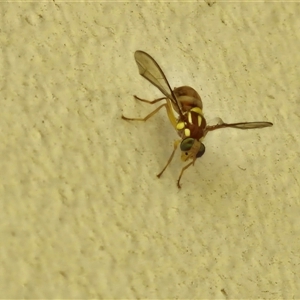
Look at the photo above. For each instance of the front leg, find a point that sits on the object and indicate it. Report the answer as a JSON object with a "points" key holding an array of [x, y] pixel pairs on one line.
{"points": [[181, 173], [176, 143]]}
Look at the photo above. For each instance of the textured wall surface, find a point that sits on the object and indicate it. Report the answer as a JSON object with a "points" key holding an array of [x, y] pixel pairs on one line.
{"points": [[83, 214]]}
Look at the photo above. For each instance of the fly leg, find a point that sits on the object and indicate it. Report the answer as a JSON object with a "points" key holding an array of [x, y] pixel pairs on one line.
{"points": [[152, 113], [148, 116], [181, 173], [176, 143], [167, 105], [147, 101]]}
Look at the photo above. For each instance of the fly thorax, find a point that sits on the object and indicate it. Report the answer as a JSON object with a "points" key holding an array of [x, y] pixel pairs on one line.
{"points": [[192, 124]]}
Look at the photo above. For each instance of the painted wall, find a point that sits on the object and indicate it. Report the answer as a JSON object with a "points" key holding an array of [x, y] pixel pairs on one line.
{"points": [[82, 211]]}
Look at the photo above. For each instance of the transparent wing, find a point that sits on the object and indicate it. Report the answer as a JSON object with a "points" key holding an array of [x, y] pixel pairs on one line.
{"points": [[150, 70], [242, 125], [249, 125]]}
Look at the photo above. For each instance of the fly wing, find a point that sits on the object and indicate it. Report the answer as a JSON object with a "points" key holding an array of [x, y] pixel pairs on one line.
{"points": [[249, 125], [150, 70], [219, 123]]}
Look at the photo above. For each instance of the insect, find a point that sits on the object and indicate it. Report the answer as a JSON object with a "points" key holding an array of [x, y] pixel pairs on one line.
{"points": [[190, 123]]}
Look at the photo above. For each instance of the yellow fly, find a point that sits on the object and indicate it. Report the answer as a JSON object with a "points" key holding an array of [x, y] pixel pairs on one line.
{"points": [[190, 123]]}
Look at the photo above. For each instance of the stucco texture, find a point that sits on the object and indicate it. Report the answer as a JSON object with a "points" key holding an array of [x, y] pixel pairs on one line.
{"points": [[83, 214]]}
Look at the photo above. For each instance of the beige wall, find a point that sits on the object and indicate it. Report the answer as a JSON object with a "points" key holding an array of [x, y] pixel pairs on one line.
{"points": [[82, 212]]}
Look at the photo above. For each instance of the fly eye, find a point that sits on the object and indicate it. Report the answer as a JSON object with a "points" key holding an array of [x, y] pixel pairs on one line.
{"points": [[187, 144], [201, 151]]}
